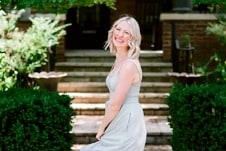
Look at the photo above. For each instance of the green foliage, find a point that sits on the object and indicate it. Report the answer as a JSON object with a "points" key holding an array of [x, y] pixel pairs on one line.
{"points": [[218, 6], [198, 117], [206, 2], [185, 41], [21, 52], [215, 68], [53, 5], [35, 120], [218, 29]]}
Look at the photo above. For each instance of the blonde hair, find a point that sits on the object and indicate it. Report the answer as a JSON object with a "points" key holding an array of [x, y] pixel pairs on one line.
{"points": [[134, 43]]}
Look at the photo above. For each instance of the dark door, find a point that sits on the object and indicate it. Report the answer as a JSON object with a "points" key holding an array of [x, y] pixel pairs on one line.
{"points": [[148, 15], [89, 27]]}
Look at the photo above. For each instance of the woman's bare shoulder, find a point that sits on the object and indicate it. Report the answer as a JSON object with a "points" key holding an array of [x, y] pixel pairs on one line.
{"points": [[130, 64]]}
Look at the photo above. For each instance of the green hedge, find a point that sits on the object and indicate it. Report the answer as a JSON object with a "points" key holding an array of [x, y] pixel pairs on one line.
{"points": [[35, 120], [198, 117]]}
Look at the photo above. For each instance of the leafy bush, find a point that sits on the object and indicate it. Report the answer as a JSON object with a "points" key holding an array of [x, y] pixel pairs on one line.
{"points": [[215, 68], [214, 6], [21, 52], [198, 117], [35, 120], [53, 5], [214, 71]]}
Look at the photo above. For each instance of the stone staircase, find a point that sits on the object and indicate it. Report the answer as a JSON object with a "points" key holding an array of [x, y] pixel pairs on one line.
{"points": [[87, 70]]}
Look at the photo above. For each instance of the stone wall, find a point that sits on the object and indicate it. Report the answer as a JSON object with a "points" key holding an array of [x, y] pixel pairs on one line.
{"points": [[195, 26]]}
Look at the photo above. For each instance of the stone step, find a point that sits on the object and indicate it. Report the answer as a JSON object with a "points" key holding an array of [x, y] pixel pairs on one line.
{"points": [[85, 83], [92, 98], [106, 66], [150, 109], [105, 56], [163, 87], [76, 147], [85, 127], [85, 76]]}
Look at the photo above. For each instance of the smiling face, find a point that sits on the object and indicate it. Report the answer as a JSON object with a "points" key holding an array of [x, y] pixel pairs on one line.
{"points": [[124, 35], [121, 35]]}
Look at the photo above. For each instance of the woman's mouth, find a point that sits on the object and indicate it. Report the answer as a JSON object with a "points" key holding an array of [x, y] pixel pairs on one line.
{"points": [[119, 40]]}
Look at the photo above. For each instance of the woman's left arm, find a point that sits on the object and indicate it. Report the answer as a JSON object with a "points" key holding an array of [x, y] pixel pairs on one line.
{"points": [[126, 78]]}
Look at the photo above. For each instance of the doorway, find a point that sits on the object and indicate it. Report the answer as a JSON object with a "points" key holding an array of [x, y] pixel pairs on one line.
{"points": [[89, 27], [148, 13]]}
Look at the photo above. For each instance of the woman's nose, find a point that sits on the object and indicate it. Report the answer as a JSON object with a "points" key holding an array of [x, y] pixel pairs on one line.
{"points": [[120, 33]]}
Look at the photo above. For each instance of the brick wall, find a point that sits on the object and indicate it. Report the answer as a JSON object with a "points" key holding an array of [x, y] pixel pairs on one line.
{"points": [[191, 24], [195, 26]]}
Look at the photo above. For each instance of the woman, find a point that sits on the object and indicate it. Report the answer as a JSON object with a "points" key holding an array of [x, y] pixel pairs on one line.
{"points": [[123, 126]]}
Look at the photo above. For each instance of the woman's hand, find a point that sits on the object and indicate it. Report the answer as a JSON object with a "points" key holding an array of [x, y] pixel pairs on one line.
{"points": [[100, 133]]}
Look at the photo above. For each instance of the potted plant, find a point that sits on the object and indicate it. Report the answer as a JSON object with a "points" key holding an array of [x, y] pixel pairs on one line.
{"points": [[51, 31], [23, 52], [184, 75]]}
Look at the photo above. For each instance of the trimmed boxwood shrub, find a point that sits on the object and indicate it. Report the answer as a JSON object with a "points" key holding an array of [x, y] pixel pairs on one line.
{"points": [[35, 120], [198, 117]]}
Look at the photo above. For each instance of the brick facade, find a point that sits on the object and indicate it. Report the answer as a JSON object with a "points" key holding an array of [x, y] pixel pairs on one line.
{"points": [[195, 26], [186, 24]]}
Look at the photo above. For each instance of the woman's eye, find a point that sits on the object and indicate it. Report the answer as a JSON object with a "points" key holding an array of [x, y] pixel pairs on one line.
{"points": [[126, 32], [117, 29]]}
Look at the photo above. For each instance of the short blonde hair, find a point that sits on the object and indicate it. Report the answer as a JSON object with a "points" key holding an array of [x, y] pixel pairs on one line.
{"points": [[134, 43]]}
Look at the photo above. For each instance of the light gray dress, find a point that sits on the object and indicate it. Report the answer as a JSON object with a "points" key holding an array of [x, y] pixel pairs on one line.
{"points": [[127, 131]]}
